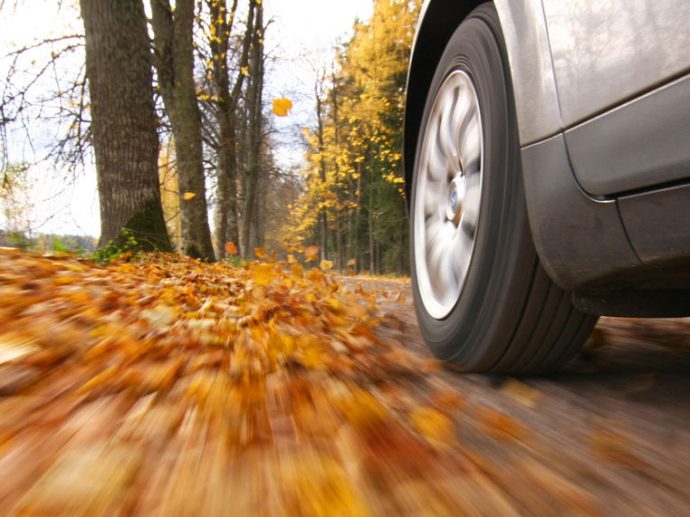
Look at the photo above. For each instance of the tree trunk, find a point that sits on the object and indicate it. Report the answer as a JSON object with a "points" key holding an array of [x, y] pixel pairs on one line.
{"points": [[255, 133], [174, 51], [118, 66], [371, 222], [340, 258], [323, 217], [227, 228]]}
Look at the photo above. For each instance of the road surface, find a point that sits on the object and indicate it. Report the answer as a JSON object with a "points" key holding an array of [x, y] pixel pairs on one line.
{"points": [[609, 434]]}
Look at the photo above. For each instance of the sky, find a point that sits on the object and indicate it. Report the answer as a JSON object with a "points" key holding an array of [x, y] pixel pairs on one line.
{"points": [[300, 40]]}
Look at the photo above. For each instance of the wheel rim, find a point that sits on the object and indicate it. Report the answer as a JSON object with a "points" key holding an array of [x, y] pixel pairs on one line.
{"points": [[449, 184]]}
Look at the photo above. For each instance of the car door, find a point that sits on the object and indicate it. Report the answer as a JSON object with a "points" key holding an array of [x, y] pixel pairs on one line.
{"points": [[621, 69]]}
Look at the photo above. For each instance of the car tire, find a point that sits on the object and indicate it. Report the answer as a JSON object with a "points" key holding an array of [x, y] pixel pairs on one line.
{"points": [[483, 300]]}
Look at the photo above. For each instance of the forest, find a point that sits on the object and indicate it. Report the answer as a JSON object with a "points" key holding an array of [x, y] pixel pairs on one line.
{"points": [[170, 103]]}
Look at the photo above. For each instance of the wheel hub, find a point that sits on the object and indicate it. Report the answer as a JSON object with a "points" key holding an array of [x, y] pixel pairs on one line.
{"points": [[456, 197]]}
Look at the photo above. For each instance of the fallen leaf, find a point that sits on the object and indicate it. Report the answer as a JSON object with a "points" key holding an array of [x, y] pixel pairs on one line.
{"points": [[610, 444], [500, 426], [521, 392], [433, 425]]}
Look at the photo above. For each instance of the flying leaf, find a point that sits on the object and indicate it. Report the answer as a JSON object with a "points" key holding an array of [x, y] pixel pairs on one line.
{"points": [[310, 253], [259, 252], [282, 106], [326, 265], [230, 248], [187, 196]]}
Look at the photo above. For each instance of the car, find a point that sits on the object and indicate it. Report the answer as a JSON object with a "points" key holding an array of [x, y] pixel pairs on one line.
{"points": [[547, 171]]}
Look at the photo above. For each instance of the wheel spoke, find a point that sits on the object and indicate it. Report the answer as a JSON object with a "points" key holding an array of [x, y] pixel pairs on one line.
{"points": [[460, 258], [438, 165], [470, 208], [470, 145], [446, 207], [448, 135]]}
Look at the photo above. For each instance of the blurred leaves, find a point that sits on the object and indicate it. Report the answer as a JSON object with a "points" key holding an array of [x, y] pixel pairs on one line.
{"points": [[160, 372]]}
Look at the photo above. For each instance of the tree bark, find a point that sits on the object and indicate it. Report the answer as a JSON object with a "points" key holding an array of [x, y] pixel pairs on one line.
{"points": [[118, 66], [227, 228], [323, 217], [174, 52], [255, 133]]}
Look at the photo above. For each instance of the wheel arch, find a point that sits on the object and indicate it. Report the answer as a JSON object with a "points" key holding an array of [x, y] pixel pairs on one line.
{"points": [[526, 37]]}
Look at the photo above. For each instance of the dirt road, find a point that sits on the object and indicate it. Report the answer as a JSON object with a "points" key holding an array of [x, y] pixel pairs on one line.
{"points": [[609, 434], [159, 385]]}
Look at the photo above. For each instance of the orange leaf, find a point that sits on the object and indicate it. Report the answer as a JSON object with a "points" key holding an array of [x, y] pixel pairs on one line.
{"points": [[187, 196], [230, 248], [433, 425], [259, 252], [310, 253]]}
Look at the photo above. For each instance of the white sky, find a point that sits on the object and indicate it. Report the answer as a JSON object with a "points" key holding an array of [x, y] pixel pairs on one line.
{"points": [[300, 40]]}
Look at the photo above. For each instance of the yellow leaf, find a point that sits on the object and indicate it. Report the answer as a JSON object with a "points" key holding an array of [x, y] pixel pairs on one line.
{"points": [[187, 196], [244, 70], [282, 106], [264, 274], [326, 265], [433, 425]]}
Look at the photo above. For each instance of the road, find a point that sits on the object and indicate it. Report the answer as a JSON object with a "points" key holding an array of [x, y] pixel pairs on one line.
{"points": [[163, 386], [609, 434]]}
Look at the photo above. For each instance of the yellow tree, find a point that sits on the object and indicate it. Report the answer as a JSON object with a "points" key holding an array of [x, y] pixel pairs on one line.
{"points": [[352, 170]]}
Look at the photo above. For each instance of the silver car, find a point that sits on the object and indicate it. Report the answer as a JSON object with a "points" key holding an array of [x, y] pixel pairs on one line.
{"points": [[547, 164]]}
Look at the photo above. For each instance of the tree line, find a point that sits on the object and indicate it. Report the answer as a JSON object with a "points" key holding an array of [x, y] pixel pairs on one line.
{"points": [[172, 107], [353, 205]]}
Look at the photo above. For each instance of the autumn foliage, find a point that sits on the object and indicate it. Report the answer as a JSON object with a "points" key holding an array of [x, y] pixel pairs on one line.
{"points": [[119, 377], [353, 203]]}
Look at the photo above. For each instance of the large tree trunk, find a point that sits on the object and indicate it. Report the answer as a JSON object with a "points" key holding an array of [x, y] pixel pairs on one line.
{"points": [[118, 66], [255, 133], [174, 51]]}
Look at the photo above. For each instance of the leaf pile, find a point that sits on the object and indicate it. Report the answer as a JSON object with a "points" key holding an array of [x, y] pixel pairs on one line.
{"points": [[169, 386]]}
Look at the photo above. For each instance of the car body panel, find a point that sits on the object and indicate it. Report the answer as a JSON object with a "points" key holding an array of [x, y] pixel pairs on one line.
{"points": [[534, 84], [605, 53], [642, 143], [581, 241], [645, 213]]}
